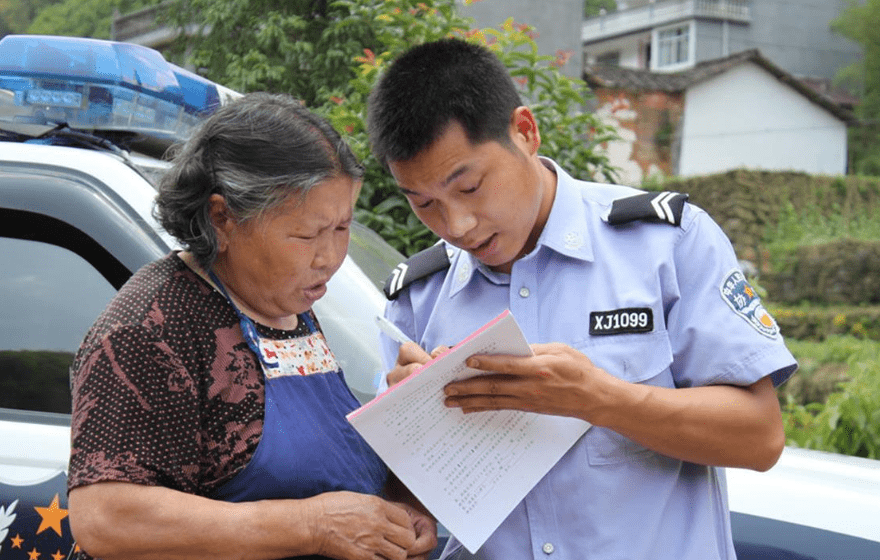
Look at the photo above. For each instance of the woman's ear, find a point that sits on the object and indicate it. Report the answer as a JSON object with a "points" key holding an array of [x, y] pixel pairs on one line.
{"points": [[524, 130], [220, 219]]}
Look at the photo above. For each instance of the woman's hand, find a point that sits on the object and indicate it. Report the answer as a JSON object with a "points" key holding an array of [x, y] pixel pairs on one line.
{"points": [[353, 526]]}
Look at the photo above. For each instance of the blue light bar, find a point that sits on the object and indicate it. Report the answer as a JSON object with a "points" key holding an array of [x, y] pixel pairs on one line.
{"points": [[100, 85]]}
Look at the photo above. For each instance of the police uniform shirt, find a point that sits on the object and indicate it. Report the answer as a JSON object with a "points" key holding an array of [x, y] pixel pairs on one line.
{"points": [[651, 303]]}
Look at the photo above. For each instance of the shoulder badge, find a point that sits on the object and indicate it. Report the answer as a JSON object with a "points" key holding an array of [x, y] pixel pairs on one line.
{"points": [[665, 207], [741, 297], [422, 264]]}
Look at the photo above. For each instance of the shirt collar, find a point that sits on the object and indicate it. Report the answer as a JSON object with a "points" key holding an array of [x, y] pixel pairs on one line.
{"points": [[565, 232], [463, 267]]}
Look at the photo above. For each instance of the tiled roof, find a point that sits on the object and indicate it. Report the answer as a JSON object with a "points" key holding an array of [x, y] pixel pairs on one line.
{"points": [[825, 87], [603, 76]]}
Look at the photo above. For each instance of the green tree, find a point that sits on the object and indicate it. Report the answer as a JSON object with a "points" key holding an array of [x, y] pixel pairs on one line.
{"points": [[860, 22], [17, 15], [293, 46], [82, 18], [592, 7]]}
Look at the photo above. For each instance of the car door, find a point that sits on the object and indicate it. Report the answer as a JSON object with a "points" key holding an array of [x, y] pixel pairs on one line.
{"points": [[67, 243]]}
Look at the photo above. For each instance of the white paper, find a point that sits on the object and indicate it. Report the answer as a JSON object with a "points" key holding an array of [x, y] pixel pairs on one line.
{"points": [[469, 470]]}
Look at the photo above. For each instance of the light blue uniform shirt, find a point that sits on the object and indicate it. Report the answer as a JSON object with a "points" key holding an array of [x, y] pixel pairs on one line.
{"points": [[610, 498]]}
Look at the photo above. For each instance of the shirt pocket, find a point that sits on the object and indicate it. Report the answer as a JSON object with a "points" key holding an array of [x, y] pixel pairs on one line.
{"points": [[636, 359]]}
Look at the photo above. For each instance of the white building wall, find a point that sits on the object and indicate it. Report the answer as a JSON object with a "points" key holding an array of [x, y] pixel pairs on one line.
{"points": [[747, 118]]}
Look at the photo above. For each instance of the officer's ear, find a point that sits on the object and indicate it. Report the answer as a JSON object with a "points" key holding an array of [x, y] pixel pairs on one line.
{"points": [[524, 130]]}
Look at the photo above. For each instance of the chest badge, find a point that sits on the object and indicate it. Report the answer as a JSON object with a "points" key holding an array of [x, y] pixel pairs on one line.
{"points": [[629, 320], [741, 297]]}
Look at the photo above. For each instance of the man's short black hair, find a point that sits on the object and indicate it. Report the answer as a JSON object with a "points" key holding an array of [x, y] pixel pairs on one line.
{"points": [[433, 85]]}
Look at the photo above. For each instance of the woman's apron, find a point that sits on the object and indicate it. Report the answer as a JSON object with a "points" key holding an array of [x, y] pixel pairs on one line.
{"points": [[307, 446]]}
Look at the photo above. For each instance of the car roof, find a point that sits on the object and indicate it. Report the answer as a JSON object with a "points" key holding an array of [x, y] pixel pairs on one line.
{"points": [[105, 167]]}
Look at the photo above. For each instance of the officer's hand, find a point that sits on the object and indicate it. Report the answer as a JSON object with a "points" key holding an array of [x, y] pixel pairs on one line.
{"points": [[410, 357], [439, 351], [556, 380], [425, 528]]}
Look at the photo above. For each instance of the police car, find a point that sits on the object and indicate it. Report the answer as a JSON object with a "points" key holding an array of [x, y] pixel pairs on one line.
{"points": [[82, 126]]}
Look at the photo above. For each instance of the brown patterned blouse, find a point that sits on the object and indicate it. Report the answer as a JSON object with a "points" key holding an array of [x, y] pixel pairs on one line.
{"points": [[165, 390]]}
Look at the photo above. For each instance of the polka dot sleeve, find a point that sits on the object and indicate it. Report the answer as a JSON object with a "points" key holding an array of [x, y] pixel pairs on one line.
{"points": [[136, 414], [165, 389]]}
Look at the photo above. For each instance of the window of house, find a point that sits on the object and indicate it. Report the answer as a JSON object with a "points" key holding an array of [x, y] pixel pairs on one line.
{"points": [[609, 58], [673, 47]]}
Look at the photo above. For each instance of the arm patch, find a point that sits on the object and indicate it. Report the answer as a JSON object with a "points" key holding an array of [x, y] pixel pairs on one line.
{"points": [[664, 207], [422, 264]]}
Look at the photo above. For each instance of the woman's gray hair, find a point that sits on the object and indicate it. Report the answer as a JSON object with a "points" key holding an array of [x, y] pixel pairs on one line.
{"points": [[255, 152]]}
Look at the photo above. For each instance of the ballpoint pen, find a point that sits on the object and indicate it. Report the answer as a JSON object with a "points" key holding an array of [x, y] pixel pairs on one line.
{"points": [[392, 330], [380, 382]]}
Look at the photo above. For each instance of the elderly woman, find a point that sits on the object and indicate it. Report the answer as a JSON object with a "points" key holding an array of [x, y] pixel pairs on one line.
{"points": [[208, 412]]}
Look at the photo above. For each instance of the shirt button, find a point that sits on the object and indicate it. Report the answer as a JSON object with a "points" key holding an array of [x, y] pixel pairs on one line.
{"points": [[548, 548], [524, 292]]}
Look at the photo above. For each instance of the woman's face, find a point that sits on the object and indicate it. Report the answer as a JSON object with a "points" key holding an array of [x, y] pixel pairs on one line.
{"points": [[279, 265]]}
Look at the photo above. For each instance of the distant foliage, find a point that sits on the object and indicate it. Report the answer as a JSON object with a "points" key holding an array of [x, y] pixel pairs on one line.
{"points": [[290, 46], [848, 421], [35, 380], [818, 322], [859, 22], [768, 215], [593, 8], [17, 15], [82, 18]]}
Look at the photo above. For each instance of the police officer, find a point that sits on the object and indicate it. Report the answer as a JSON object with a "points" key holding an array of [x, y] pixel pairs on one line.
{"points": [[641, 321]]}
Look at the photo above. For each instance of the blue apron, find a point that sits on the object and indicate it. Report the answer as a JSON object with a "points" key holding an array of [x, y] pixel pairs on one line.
{"points": [[307, 446]]}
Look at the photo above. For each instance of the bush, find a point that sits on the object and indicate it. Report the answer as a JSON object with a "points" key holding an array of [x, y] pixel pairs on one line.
{"points": [[846, 272], [848, 421], [769, 215], [816, 323]]}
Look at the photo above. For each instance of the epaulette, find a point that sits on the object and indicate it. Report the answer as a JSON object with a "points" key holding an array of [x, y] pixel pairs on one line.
{"points": [[665, 207], [422, 264]]}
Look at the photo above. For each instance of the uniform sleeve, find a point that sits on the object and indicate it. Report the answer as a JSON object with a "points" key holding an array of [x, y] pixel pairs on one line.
{"points": [[135, 414], [718, 327]]}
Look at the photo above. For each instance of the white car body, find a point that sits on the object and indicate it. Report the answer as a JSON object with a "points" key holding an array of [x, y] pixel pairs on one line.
{"points": [[811, 504]]}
